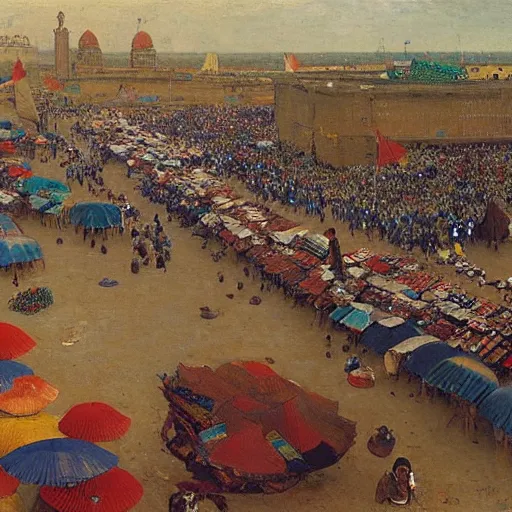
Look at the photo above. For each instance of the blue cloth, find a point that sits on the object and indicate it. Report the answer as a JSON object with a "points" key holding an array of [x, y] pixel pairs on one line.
{"points": [[95, 215], [4, 124], [340, 313], [108, 283], [380, 338]]}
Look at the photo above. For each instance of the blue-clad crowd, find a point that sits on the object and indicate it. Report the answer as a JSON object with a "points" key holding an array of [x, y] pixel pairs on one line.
{"points": [[436, 198]]}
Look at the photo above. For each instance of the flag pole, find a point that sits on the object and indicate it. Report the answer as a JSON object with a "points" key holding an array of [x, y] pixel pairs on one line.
{"points": [[375, 175]]}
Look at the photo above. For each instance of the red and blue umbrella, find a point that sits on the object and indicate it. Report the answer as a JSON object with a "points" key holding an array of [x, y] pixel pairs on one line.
{"points": [[10, 370], [58, 462]]}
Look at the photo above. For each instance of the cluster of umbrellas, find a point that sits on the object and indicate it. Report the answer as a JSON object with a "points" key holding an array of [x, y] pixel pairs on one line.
{"points": [[37, 448], [443, 367]]}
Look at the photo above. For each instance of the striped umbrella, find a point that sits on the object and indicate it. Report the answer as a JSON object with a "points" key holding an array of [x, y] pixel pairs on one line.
{"points": [[497, 408], [465, 377], [58, 462]]}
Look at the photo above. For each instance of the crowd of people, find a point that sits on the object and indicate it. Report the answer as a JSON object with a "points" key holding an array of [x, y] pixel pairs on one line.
{"points": [[433, 201], [437, 198]]}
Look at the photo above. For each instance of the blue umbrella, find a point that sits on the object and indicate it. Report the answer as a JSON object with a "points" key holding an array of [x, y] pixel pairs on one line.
{"points": [[95, 215], [10, 370], [19, 249], [58, 462], [465, 377], [497, 408], [33, 185], [380, 338], [424, 358]]}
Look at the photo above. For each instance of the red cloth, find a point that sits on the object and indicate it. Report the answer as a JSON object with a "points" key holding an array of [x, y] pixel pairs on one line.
{"points": [[248, 452], [389, 152], [18, 72], [19, 172]]}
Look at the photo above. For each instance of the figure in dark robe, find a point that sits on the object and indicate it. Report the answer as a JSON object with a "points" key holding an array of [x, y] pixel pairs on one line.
{"points": [[398, 486], [335, 258]]}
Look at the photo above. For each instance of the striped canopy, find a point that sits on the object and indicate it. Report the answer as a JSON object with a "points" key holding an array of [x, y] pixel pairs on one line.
{"points": [[465, 377], [497, 408]]}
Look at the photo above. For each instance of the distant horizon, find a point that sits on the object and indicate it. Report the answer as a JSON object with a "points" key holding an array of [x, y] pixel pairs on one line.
{"points": [[280, 52]]}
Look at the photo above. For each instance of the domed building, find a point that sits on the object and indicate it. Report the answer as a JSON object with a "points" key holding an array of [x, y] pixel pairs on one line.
{"points": [[89, 51], [143, 54]]}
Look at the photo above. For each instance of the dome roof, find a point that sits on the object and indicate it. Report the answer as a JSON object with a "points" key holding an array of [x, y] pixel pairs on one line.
{"points": [[142, 41], [88, 40]]}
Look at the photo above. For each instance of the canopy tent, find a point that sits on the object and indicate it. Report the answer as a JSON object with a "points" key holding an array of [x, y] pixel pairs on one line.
{"points": [[357, 316], [95, 215], [395, 356], [426, 357], [256, 425], [465, 377], [497, 408], [380, 338], [19, 249], [8, 227], [36, 184]]}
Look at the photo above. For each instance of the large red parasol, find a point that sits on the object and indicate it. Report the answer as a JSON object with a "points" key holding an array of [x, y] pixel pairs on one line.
{"points": [[14, 342], [95, 422], [113, 491]]}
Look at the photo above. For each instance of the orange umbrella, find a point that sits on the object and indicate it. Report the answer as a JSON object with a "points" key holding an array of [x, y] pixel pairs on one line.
{"points": [[29, 395], [95, 422], [14, 342]]}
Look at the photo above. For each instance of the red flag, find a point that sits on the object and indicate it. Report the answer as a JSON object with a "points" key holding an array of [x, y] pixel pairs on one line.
{"points": [[18, 72], [389, 151]]}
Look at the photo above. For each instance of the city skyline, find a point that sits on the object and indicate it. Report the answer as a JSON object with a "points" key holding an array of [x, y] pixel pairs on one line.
{"points": [[301, 26]]}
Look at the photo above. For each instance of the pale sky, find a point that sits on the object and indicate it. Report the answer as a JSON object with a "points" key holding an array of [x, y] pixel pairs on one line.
{"points": [[270, 25]]}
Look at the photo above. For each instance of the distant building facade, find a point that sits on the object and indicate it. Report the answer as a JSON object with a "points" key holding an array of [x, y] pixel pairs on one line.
{"points": [[143, 54], [17, 47], [61, 35], [89, 52]]}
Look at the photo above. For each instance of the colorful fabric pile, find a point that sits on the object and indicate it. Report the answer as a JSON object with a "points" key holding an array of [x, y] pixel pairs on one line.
{"points": [[251, 429], [31, 301]]}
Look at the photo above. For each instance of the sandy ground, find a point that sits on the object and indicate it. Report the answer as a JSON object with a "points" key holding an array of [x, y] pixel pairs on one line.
{"points": [[150, 323]]}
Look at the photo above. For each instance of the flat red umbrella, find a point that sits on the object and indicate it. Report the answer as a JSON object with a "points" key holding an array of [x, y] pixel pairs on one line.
{"points": [[113, 491], [14, 342], [8, 484], [95, 422]]}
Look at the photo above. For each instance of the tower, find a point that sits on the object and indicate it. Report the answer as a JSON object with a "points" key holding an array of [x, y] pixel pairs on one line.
{"points": [[89, 51], [143, 54], [61, 35]]}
